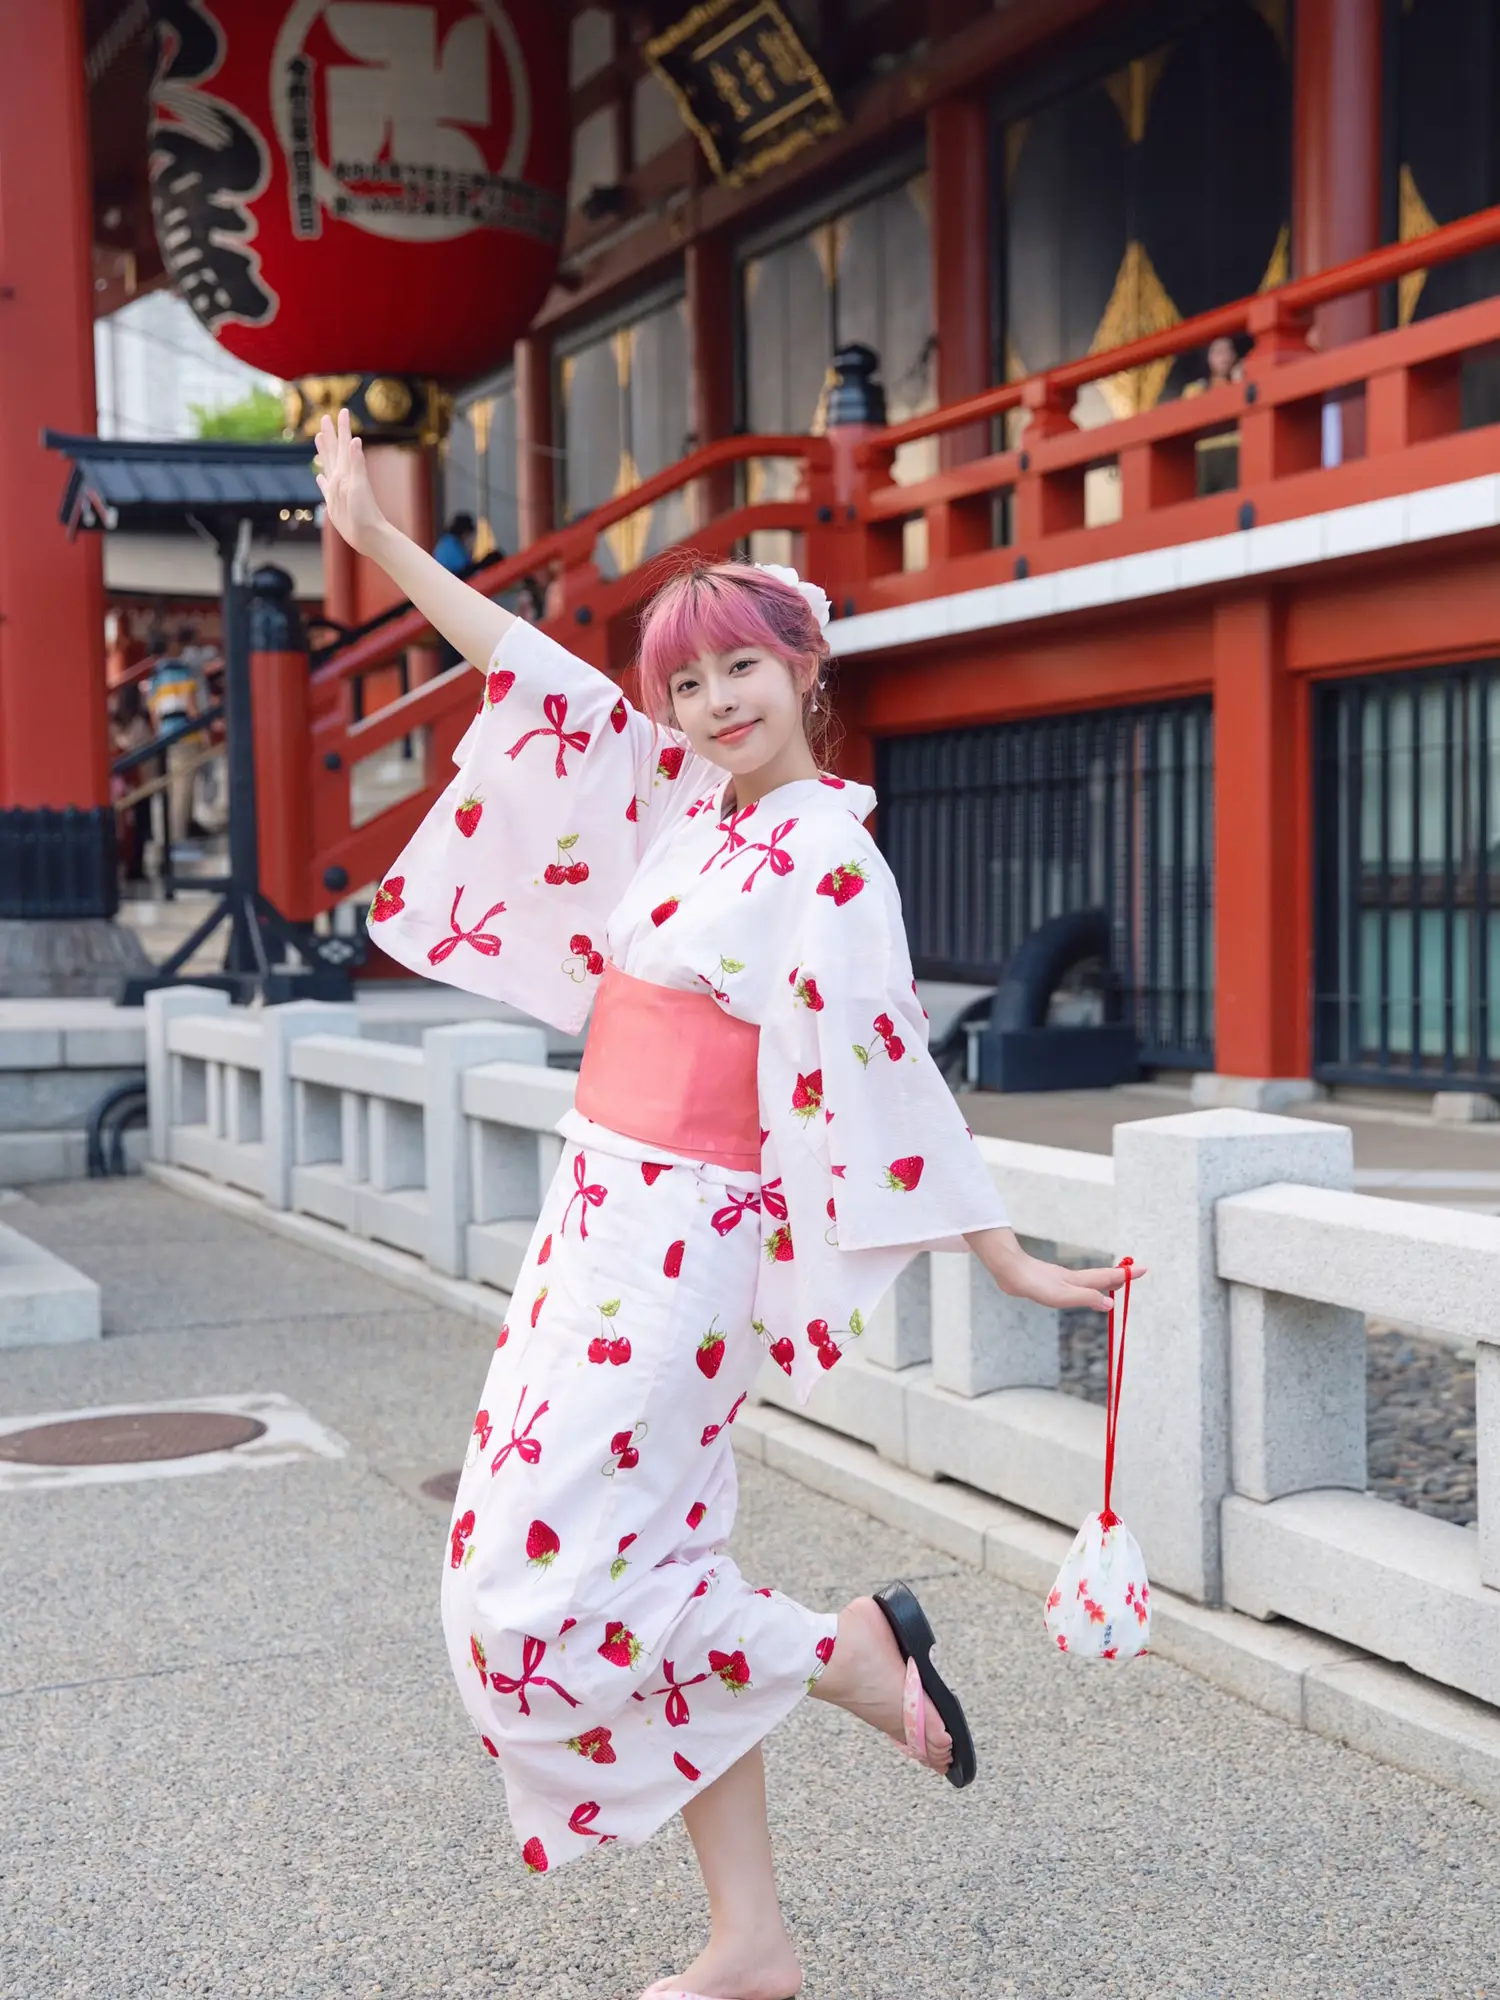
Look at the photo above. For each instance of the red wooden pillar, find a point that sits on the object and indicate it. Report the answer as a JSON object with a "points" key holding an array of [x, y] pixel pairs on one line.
{"points": [[1262, 915], [535, 493], [54, 740], [958, 174], [710, 312], [1336, 163]]}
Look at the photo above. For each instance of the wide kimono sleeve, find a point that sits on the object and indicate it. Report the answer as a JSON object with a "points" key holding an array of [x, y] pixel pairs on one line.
{"points": [[507, 886], [874, 1158]]}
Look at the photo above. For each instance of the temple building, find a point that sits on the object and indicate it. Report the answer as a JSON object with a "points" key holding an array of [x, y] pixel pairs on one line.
{"points": [[1092, 353]]}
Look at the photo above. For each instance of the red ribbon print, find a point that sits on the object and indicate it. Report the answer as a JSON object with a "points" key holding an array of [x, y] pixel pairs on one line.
{"points": [[555, 708], [522, 1442], [532, 1654], [773, 1200], [485, 942], [733, 839], [592, 1197], [677, 1708], [776, 856], [582, 1821], [725, 1219]]}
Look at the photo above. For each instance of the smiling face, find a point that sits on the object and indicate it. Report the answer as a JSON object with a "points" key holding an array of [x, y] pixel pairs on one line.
{"points": [[743, 710]]}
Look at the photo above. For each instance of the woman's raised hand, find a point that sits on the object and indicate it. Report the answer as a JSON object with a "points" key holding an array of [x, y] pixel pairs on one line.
{"points": [[344, 483]]}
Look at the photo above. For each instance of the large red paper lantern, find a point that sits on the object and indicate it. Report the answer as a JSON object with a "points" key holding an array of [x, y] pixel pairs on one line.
{"points": [[373, 186]]}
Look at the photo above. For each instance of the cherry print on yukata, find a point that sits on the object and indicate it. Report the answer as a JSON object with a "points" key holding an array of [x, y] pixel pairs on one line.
{"points": [[671, 1264], [726, 969], [533, 1652], [388, 899], [624, 1451], [527, 1448], [652, 1171], [884, 1036], [479, 1439], [607, 1345], [818, 1336], [486, 943], [696, 1513], [824, 1652], [591, 1194], [689, 1771], [467, 815], [621, 1562], [555, 708], [583, 961], [563, 869], [842, 883]]}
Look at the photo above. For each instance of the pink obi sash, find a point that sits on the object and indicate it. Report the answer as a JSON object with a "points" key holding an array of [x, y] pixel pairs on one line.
{"points": [[672, 1070]]}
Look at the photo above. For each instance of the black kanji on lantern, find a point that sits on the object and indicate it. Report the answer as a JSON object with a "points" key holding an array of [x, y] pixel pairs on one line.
{"points": [[745, 85]]}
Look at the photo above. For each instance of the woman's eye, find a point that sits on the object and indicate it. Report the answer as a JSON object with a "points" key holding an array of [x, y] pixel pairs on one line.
{"points": [[741, 663]]}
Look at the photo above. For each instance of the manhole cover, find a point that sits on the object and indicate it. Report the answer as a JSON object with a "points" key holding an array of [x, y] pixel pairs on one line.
{"points": [[442, 1486], [129, 1439]]}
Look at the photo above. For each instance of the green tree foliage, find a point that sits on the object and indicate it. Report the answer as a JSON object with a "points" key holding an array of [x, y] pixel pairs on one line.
{"points": [[255, 419]]}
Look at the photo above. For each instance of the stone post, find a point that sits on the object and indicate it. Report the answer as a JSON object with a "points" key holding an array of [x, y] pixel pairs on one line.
{"points": [[982, 1339], [446, 1054], [1173, 1464], [164, 1004], [1487, 1439], [900, 1331], [1296, 1394], [280, 1027]]}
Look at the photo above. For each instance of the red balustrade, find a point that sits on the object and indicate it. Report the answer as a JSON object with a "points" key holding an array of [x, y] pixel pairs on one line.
{"points": [[849, 515]]}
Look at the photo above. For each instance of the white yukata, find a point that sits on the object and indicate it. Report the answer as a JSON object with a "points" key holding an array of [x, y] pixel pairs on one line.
{"points": [[609, 1652]]}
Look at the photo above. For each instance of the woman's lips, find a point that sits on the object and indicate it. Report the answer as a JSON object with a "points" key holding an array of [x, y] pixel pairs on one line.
{"points": [[736, 734]]}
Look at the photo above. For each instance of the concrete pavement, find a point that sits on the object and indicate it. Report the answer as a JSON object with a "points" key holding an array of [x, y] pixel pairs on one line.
{"points": [[232, 1761]]}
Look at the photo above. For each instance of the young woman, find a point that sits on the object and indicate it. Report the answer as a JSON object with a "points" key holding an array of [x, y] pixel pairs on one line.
{"points": [[760, 1143]]}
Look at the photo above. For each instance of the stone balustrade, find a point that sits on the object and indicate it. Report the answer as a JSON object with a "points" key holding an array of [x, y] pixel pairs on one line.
{"points": [[1241, 1457]]}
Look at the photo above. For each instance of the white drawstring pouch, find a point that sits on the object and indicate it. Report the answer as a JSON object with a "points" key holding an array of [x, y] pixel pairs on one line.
{"points": [[1100, 1606]]}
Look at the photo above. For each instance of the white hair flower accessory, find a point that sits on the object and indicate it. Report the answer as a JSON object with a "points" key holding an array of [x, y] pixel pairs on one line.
{"points": [[817, 599]]}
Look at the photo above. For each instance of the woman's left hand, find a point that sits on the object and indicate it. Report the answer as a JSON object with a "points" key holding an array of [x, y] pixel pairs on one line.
{"points": [[1023, 1276]]}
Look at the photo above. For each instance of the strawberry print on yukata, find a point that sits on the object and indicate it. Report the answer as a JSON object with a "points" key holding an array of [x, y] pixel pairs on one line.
{"points": [[607, 1649], [590, 1590]]}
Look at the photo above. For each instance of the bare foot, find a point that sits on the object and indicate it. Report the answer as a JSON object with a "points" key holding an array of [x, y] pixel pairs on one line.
{"points": [[867, 1675], [737, 1972]]}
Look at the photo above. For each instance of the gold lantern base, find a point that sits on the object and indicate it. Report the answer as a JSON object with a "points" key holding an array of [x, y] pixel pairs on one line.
{"points": [[384, 409]]}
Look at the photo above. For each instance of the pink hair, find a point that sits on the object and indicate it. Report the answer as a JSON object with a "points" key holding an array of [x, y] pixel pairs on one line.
{"points": [[713, 608]]}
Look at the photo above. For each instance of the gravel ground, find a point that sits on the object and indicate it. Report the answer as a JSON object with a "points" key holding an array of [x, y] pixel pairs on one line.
{"points": [[1420, 1405], [232, 1762]]}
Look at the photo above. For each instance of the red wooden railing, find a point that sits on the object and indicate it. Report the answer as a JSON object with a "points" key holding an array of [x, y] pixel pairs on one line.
{"points": [[849, 514]]}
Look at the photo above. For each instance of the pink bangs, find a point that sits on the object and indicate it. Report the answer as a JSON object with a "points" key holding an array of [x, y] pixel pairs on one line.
{"points": [[714, 610]]}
